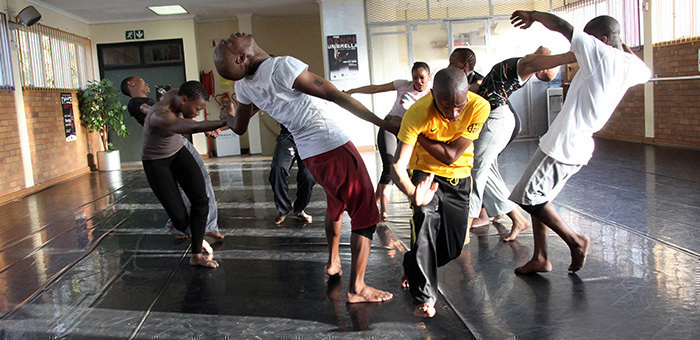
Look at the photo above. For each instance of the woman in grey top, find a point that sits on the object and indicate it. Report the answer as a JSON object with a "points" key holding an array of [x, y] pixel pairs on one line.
{"points": [[167, 163]]}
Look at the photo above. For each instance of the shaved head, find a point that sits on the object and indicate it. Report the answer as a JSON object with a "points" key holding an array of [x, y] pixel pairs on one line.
{"points": [[450, 81], [606, 29]]}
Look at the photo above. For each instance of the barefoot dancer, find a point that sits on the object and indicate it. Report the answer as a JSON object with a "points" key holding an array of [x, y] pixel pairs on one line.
{"points": [[504, 78], [444, 124], [167, 162], [407, 92], [284, 88], [139, 104], [607, 68]]}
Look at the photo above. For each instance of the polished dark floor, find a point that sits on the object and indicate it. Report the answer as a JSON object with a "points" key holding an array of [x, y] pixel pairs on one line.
{"points": [[89, 259]]}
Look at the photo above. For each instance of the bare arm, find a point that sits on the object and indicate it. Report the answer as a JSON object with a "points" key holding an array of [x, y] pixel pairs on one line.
{"points": [[163, 117], [238, 120], [144, 108], [316, 86], [418, 195], [371, 89], [533, 63], [629, 50], [524, 20], [447, 153]]}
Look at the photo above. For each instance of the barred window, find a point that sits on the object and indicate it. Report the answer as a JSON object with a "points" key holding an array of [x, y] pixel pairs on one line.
{"points": [[6, 77], [627, 12], [51, 59], [675, 19]]}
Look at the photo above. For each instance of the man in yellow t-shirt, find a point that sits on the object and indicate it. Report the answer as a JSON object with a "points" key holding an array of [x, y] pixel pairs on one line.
{"points": [[435, 143]]}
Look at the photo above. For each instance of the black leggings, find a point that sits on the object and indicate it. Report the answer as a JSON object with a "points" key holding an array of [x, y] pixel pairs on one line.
{"points": [[164, 175], [387, 143]]}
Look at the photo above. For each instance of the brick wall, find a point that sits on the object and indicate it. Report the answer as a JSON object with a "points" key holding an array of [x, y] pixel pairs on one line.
{"points": [[627, 122], [11, 172], [53, 158], [676, 102]]}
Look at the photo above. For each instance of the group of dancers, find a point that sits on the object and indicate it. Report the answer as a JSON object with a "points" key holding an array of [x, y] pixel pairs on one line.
{"points": [[447, 137]]}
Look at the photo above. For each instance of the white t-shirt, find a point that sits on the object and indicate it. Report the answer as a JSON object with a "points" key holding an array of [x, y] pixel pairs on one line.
{"points": [[605, 73], [406, 95], [306, 117]]}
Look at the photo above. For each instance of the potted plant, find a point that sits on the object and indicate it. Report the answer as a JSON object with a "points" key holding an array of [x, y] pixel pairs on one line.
{"points": [[100, 111]]}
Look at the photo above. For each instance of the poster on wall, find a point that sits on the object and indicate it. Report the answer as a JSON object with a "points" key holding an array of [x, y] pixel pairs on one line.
{"points": [[68, 121], [342, 56], [161, 90]]}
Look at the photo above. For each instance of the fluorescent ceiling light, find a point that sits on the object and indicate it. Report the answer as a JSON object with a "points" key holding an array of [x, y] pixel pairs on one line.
{"points": [[168, 10]]}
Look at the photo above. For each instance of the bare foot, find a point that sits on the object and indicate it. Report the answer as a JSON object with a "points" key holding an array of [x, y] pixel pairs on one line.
{"points": [[200, 260], [482, 220], [425, 310], [578, 254], [385, 216], [178, 234], [369, 294], [516, 230], [206, 247], [214, 234], [334, 268], [535, 266], [303, 217], [280, 219], [404, 282]]}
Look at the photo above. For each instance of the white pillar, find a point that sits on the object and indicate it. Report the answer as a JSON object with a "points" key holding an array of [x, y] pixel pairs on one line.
{"points": [[21, 115], [343, 17], [649, 60]]}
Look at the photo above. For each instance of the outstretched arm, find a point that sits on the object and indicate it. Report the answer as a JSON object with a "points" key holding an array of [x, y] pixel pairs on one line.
{"points": [[524, 20], [163, 117], [533, 63], [447, 153], [371, 89], [316, 86]]}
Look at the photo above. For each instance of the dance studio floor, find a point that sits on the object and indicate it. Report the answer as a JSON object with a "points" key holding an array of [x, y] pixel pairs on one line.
{"points": [[90, 259]]}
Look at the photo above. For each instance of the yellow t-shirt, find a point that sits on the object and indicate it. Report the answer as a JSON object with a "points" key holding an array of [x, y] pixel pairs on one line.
{"points": [[423, 117]]}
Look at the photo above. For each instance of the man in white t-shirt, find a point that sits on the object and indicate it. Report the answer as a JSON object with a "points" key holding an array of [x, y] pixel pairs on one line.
{"points": [[298, 99], [607, 68]]}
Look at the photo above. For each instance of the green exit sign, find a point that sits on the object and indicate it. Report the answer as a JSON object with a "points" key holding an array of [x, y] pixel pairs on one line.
{"points": [[135, 34]]}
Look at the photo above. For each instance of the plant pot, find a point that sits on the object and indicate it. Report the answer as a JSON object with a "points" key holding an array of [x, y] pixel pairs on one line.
{"points": [[108, 161]]}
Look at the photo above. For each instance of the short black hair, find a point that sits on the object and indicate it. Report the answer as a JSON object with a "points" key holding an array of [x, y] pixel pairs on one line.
{"points": [[464, 56], [193, 90], [603, 25], [420, 64], [125, 85]]}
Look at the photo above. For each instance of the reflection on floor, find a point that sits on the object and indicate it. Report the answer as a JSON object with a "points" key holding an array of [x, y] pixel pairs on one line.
{"points": [[90, 259]]}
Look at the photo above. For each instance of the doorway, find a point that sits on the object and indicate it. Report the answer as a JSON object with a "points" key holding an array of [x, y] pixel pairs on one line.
{"points": [[161, 63]]}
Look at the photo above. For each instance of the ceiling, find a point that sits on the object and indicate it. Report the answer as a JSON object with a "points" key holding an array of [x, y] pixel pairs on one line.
{"points": [[113, 11]]}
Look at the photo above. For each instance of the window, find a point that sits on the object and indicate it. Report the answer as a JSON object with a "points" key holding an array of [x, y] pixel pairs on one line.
{"points": [[675, 19], [52, 59], [6, 78], [627, 12]]}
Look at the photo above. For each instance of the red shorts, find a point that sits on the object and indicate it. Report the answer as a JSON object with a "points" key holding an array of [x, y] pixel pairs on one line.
{"points": [[343, 176]]}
